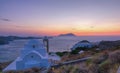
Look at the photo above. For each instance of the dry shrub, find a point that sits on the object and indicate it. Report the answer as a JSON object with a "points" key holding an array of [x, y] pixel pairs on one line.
{"points": [[28, 71], [114, 68], [93, 68], [75, 56], [31, 70], [70, 69], [97, 59], [105, 66], [3, 65], [100, 57], [115, 57], [36, 70], [77, 70], [13, 71]]}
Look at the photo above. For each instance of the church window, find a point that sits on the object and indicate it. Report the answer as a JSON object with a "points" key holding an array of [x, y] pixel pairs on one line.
{"points": [[31, 56], [33, 46]]}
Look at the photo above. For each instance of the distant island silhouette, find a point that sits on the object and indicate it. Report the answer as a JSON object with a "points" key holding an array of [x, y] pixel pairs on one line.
{"points": [[67, 34], [6, 39]]}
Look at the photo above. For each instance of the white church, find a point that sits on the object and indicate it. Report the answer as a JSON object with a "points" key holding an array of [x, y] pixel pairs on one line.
{"points": [[83, 43], [33, 54]]}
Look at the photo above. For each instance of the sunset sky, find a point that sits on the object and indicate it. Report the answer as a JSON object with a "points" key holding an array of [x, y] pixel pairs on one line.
{"points": [[53, 17]]}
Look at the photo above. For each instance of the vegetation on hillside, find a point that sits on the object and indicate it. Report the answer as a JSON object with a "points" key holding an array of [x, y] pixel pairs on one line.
{"points": [[103, 62]]}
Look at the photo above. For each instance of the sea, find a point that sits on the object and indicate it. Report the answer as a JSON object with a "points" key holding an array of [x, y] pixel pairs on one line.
{"points": [[12, 50]]}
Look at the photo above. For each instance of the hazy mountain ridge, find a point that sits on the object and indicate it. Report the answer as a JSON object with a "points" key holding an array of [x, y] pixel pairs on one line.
{"points": [[6, 39]]}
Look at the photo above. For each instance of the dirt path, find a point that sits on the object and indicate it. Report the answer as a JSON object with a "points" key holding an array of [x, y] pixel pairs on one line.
{"points": [[71, 62]]}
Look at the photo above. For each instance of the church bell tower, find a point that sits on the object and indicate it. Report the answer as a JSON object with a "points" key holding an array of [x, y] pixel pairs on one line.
{"points": [[46, 43]]}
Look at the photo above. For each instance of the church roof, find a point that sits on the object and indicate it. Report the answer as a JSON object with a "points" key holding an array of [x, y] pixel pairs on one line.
{"points": [[43, 57], [84, 41]]}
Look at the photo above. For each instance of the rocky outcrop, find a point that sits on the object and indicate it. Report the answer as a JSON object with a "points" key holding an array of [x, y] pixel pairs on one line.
{"points": [[109, 44]]}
